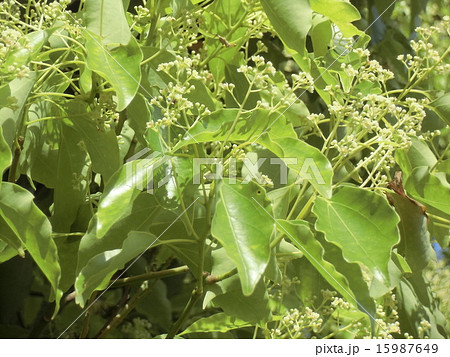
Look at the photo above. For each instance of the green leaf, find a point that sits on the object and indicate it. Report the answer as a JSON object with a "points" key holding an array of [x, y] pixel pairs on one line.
{"points": [[418, 154], [442, 107], [311, 164], [341, 12], [220, 322], [291, 20], [96, 274], [321, 33], [6, 251], [138, 116], [139, 216], [101, 145], [71, 182], [362, 224], [106, 19], [156, 306], [354, 275], [247, 127], [416, 304], [253, 308], [242, 226], [123, 188], [302, 237], [32, 228], [68, 254], [415, 244], [120, 66], [13, 97], [30, 46], [430, 189], [5, 153]]}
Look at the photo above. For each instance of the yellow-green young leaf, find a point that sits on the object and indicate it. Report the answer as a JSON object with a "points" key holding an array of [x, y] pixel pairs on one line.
{"points": [[242, 226], [99, 270], [106, 19], [32, 228], [5, 153], [220, 322], [291, 20], [120, 66], [341, 12], [362, 224]]}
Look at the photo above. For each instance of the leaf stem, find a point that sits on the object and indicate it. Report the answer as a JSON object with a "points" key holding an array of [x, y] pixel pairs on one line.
{"points": [[150, 275]]}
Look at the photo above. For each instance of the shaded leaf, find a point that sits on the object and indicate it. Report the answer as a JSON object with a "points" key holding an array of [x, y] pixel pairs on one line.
{"points": [[13, 97], [32, 228], [96, 274], [5, 154]]}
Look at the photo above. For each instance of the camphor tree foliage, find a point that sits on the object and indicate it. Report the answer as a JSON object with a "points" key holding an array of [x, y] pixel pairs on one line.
{"points": [[223, 168]]}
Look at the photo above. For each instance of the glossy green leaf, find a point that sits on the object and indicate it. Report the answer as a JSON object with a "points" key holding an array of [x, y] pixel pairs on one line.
{"points": [[96, 274], [430, 189], [106, 19], [32, 228], [300, 235], [310, 164], [242, 225], [362, 224], [138, 216], [291, 20], [123, 188], [5, 153], [220, 322], [120, 66], [341, 12]]}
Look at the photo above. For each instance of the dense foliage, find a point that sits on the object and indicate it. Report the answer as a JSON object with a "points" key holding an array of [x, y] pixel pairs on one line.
{"points": [[224, 168]]}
